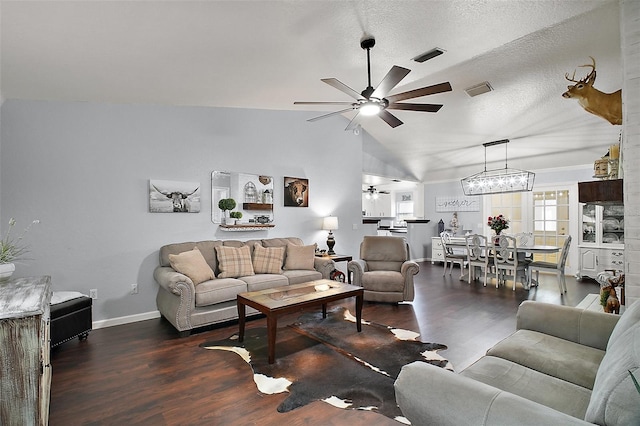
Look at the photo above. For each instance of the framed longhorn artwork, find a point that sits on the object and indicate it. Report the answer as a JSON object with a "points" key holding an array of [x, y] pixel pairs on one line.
{"points": [[296, 192], [169, 196]]}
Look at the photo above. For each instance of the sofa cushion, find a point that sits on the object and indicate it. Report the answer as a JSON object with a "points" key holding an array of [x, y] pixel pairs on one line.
{"points": [[629, 319], [263, 281], [234, 262], [282, 242], [192, 264], [207, 248], [551, 355], [384, 252], [614, 400], [300, 257], [547, 390], [301, 276], [267, 260], [383, 281], [219, 290]]}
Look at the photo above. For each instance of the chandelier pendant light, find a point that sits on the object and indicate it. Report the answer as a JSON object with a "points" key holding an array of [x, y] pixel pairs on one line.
{"points": [[498, 181]]}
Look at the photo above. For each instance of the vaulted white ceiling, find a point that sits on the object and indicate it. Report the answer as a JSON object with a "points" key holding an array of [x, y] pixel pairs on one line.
{"points": [[268, 54]]}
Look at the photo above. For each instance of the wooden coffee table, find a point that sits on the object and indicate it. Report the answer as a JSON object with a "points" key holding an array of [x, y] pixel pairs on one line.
{"points": [[282, 300]]}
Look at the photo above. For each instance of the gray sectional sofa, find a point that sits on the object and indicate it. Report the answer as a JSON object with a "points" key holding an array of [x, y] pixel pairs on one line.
{"points": [[562, 366], [213, 300]]}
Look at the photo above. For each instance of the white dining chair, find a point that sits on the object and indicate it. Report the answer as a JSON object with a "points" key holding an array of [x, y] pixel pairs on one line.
{"points": [[524, 239], [477, 255], [505, 257], [450, 256], [557, 268]]}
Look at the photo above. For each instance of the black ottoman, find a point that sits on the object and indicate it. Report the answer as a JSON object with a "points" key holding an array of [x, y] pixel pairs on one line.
{"points": [[70, 319]]}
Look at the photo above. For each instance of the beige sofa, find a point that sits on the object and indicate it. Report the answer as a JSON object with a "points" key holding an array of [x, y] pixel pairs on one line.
{"points": [[209, 295], [563, 366]]}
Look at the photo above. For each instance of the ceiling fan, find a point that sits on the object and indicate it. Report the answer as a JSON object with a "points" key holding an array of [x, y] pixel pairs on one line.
{"points": [[375, 101], [372, 192]]}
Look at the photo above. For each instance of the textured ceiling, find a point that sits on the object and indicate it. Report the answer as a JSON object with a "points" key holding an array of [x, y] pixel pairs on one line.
{"points": [[268, 54]]}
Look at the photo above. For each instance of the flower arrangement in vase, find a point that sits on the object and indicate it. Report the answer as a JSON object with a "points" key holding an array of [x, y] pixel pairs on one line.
{"points": [[498, 223], [12, 249]]}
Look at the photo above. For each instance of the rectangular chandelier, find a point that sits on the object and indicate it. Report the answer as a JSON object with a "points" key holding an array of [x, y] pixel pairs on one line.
{"points": [[497, 181]]}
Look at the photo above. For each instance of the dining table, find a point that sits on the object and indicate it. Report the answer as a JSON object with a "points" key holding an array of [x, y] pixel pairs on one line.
{"points": [[460, 242]]}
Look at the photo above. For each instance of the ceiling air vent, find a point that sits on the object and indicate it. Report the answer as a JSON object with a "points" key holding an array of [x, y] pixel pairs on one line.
{"points": [[479, 89], [429, 55]]}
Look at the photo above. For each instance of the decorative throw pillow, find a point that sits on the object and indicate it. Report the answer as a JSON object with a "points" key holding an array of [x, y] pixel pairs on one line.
{"points": [[234, 262], [192, 264], [300, 257], [267, 260]]}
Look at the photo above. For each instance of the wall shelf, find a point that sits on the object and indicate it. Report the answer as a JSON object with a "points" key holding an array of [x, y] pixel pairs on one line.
{"points": [[247, 227], [257, 206]]}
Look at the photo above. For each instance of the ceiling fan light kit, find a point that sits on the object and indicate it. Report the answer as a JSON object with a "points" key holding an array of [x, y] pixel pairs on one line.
{"points": [[498, 181], [377, 101], [372, 192]]}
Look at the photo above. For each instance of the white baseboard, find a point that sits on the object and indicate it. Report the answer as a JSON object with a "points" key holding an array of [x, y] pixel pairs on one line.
{"points": [[125, 320]]}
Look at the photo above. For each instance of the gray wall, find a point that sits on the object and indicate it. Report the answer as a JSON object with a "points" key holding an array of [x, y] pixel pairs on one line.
{"points": [[82, 169]]}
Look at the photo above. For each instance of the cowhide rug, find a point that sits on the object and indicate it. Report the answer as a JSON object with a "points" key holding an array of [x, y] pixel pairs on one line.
{"points": [[327, 359]]}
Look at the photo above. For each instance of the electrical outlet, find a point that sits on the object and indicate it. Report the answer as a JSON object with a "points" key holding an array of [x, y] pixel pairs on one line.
{"points": [[134, 288], [93, 293]]}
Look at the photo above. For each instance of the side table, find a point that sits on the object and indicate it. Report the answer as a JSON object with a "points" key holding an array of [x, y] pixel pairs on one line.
{"points": [[339, 258]]}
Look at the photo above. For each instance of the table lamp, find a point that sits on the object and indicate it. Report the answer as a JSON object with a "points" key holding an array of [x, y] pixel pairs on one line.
{"points": [[330, 223]]}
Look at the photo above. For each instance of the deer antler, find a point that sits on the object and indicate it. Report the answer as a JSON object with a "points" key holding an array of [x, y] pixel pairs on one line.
{"points": [[592, 65]]}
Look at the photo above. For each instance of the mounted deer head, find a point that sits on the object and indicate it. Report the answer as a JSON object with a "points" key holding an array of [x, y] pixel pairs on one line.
{"points": [[604, 105]]}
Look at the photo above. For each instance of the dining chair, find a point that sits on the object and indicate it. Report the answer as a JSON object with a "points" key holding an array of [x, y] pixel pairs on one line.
{"points": [[557, 268], [505, 258], [524, 239], [451, 257], [477, 255]]}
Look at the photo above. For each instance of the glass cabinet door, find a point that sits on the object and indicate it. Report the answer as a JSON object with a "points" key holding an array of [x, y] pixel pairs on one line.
{"points": [[588, 219], [613, 224]]}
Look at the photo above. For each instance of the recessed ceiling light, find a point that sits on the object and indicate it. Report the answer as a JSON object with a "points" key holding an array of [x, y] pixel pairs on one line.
{"points": [[429, 55]]}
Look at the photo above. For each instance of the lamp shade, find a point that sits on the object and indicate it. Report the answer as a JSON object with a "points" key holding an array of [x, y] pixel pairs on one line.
{"points": [[330, 223]]}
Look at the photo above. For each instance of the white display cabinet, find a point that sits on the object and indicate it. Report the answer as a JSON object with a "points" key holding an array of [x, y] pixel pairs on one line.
{"points": [[601, 239]]}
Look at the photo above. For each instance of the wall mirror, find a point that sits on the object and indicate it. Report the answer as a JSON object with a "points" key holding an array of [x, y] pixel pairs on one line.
{"points": [[253, 195]]}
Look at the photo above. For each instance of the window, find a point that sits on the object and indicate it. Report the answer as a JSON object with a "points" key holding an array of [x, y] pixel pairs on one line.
{"points": [[550, 220]]}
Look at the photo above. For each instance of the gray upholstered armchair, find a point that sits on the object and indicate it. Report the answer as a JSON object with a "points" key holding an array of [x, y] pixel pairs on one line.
{"points": [[384, 269]]}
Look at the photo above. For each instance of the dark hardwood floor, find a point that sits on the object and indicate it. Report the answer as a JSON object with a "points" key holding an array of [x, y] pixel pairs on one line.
{"points": [[144, 374]]}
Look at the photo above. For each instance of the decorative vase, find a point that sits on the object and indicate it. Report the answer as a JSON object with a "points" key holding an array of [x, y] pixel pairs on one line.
{"points": [[496, 238], [6, 270], [229, 221]]}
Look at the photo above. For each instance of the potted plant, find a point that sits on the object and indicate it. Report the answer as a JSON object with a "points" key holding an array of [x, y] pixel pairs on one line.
{"points": [[12, 249], [236, 215], [224, 205]]}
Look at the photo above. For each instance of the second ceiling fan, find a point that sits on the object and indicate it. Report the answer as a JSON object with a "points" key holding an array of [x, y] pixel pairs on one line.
{"points": [[375, 101]]}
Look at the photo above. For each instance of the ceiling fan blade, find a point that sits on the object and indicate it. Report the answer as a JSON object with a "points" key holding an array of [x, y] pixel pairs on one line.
{"points": [[429, 90], [393, 77], [416, 107], [389, 118], [322, 103], [342, 87], [330, 114], [354, 122]]}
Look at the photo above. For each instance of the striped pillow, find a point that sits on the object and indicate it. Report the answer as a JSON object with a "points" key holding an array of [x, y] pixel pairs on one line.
{"points": [[234, 262], [267, 260]]}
